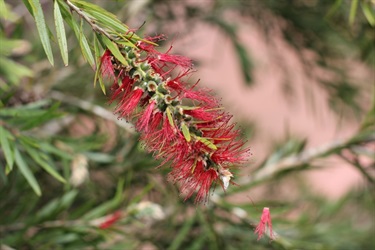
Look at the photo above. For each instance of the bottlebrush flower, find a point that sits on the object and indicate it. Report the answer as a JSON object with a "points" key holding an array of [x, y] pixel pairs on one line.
{"points": [[110, 220], [182, 126], [265, 221]]}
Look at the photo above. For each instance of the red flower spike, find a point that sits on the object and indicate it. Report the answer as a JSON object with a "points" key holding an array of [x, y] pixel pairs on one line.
{"points": [[110, 220], [265, 221], [181, 126], [106, 65]]}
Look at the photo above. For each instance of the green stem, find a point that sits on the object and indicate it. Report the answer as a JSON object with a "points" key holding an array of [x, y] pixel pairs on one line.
{"points": [[92, 23]]}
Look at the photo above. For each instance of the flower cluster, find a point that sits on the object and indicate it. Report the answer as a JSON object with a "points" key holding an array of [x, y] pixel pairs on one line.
{"points": [[181, 125]]}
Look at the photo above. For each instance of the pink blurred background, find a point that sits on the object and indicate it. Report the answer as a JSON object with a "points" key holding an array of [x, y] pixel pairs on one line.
{"points": [[264, 102]]}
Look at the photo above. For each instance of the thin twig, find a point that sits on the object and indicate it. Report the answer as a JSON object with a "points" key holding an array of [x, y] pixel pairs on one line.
{"points": [[304, 158], [358, 166], [290, 162], [82, 14], [88, 106]]}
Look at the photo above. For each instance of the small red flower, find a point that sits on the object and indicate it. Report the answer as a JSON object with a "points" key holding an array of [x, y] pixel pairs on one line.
{"points": [[199, 180], [265, 221], [122, 91], [129, 103], [202, 114], [144, 121], [110, 220], [202, 96], [174, 59]]}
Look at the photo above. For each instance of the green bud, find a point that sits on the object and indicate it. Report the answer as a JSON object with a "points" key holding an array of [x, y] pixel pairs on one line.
{"points": [[162, 90], [145, 66]]}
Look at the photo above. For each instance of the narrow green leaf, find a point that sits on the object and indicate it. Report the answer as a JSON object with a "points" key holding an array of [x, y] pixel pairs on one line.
{"points": [[56, 205], [42, 28], [85, 47], [245, 61], [8, 45], [4, 10], [12, 71], [368, 122], [182, 234], [169, 115], [199, 243], [26, 172], [9, 157], [353, 11], [207, 229], [102, 16], [32, 142], [47, 167], [45, 116], [144, 191], [185, 131], [126, 43], [100, 157], [114, 49], [369, 13], [7, 13], [189, 107], [60, 32], [105, 207], [242, 54], [334, 8], [98, 65], [3, 176], [7, 169], [206, 142], [21, 112], [5, 87], [109, 21], [28, 6], [53, 150]]}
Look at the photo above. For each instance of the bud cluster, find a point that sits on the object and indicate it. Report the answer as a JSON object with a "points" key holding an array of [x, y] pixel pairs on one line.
{"points": [[182, 126]]}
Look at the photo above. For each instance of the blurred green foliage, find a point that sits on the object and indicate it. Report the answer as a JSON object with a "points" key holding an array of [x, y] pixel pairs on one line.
{"points": [[66, 163]]}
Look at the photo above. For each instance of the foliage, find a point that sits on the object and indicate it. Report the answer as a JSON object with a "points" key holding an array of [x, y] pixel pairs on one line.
{"points": [[67, 164]]}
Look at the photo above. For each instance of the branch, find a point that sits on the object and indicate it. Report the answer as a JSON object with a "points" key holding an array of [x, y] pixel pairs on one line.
{"points": [[91, 22], [358, 166], [306, 157], [87, 106]]}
